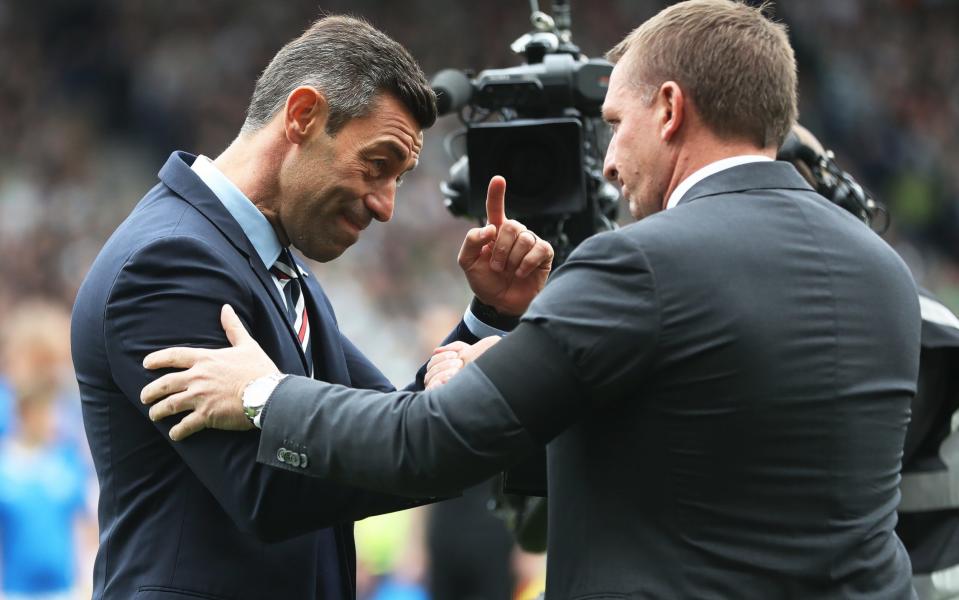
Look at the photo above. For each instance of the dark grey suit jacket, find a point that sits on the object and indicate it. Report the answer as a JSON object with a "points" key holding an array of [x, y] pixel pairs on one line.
{"points": [[724, 387]]}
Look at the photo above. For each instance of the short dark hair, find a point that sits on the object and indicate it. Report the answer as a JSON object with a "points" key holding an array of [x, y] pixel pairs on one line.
{"points": [[351, 63], [735, 64]]}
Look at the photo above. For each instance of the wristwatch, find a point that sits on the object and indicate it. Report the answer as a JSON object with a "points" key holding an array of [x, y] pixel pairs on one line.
{"points": [[256, 393]]}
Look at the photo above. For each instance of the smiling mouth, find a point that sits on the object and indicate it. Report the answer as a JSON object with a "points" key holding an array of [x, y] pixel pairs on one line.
{"points": [[355, 224]]}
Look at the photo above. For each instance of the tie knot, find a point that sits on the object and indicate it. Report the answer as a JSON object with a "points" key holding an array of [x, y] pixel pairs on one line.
{"points": [[284, 267]]}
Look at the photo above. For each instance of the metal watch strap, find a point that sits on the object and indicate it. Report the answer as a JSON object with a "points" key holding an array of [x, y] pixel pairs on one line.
{"points": [[256, 393]]}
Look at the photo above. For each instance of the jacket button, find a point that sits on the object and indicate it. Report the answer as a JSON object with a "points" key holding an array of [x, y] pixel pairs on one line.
{"points": [[281, 455], [293, 458], [304, 461]]}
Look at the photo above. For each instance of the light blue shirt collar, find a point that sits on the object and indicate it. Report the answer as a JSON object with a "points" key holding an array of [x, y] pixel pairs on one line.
{"points": [[257, 229]]}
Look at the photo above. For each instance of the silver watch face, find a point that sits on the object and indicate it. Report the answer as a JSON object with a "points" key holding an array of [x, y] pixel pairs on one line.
{"points": [[256, 394]]}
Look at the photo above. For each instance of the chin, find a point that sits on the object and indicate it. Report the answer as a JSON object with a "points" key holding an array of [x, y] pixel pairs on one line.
{"points": [[326, 253]]}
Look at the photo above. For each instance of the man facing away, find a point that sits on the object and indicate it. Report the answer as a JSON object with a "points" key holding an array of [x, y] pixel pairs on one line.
{"points": [[335, 120], [724, 394]]}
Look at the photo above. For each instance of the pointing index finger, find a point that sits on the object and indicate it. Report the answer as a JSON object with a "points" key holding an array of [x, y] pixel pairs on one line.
{"points": [[496, 201]]}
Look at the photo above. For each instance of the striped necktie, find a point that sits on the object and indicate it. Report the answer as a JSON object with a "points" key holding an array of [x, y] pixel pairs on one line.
{"points": [[287, 278]]}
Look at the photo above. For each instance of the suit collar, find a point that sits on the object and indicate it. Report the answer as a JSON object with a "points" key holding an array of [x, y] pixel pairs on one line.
{"points": [[254, 224], [752, 176], [712, 168], [177, 175]]}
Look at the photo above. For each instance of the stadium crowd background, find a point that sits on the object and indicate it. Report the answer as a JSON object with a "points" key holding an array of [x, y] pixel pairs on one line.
{"points": [[95, 94]]}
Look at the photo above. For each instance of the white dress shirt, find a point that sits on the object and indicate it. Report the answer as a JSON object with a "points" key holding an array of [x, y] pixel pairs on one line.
{"points": [[711, 169]]}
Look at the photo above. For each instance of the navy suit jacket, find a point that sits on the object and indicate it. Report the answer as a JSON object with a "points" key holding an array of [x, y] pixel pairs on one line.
{"points": [[201, 518]]}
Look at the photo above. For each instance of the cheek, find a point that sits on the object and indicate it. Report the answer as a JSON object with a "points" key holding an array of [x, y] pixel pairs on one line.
{"points": [[626, 147]]}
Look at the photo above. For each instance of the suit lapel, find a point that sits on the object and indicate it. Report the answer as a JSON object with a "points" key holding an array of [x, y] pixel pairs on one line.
{"points": [[329, 362], [177, 175]]}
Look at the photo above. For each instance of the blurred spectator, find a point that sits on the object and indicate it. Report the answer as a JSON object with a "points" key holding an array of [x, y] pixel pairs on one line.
{"points": [[45, 522], [390, 556], [6, 406]]}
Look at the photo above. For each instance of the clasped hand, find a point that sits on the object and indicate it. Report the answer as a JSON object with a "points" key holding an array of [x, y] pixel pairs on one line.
{"points": [[450, 359]]}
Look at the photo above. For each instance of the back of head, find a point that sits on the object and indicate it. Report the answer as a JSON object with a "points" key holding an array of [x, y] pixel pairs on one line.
{"points": [[736, 66], [350, 62]]}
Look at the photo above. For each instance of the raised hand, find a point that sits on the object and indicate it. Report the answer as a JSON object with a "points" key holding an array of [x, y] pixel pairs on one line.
{"points": [[505, 263]]}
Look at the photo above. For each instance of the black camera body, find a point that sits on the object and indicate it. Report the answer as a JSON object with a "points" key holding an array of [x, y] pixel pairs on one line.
{"points": [[558, 82], [539, 126]]}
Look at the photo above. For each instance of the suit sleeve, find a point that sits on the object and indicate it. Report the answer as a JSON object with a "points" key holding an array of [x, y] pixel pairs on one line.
{"points": [[571, 354], [170, 293], [365, 375]]}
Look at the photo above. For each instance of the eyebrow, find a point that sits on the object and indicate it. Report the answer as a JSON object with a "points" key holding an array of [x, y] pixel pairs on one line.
{"points": [[396, 149]]}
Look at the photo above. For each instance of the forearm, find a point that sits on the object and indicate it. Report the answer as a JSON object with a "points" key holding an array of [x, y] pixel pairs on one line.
{"points": [[415, 443], [432, 442]]}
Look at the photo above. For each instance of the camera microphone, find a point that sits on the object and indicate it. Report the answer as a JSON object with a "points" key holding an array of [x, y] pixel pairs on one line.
{"points": [[453, 90]]}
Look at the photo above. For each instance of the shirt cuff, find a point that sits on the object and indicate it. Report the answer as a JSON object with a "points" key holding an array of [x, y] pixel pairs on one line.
{"points": [[480, 329]]}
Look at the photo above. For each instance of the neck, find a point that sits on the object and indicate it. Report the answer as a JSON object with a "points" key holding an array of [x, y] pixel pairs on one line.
{"points": [[695, 155], [252, 162]]}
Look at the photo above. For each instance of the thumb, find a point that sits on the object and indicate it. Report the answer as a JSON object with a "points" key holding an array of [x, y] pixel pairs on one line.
{"points": [[472, 248], [233, 326]]}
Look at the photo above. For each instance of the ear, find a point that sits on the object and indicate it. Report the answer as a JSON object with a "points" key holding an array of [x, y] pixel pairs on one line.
{"points": [[672, 102], [305, 113]]}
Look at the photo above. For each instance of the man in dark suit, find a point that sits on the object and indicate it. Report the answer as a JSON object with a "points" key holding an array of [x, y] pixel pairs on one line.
{"points": [[334, 122], [724, 394]]}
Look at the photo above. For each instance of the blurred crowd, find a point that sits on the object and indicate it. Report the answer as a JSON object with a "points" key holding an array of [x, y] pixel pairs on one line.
{"points": [[94, 94]]}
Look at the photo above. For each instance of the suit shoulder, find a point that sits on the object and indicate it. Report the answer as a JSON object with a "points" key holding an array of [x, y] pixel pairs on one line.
{"points": [[161, 222], [619, 242]]}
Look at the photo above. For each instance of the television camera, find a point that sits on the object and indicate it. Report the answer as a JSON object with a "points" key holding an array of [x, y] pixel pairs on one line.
{"points": [[538, 125]]}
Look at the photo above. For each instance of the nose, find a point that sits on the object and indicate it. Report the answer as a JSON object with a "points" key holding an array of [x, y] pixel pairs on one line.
{"points": [[380, 203], [610, 171]]}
